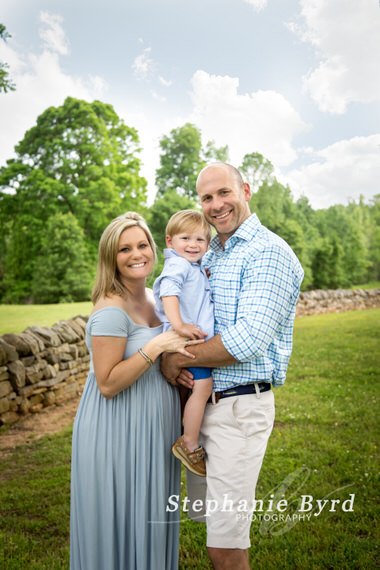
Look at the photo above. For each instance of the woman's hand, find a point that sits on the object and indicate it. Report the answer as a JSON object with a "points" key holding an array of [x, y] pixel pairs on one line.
{"points": [[171, 341]]}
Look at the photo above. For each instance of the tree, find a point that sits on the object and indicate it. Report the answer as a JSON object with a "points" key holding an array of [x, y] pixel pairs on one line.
{"points": [[274, 205], [181, 160], [374, 239], [327, 264], [6, 84], [214, 154], [339, 229], [256, 170], [80, 158], [62, 270], [276, 210]]}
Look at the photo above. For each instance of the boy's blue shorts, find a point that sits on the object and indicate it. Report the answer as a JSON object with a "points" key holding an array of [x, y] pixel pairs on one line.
{"points": [[200, 373]]}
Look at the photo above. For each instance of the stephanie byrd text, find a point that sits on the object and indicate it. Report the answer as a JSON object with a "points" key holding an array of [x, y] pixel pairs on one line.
{"points": [[306, 504]]}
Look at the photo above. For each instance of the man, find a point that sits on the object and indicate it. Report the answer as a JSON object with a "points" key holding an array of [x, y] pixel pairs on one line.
{"points": [[255, 280]]}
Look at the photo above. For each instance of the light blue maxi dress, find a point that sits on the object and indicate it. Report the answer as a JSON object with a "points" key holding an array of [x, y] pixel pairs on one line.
{"points": [[122, 471]]}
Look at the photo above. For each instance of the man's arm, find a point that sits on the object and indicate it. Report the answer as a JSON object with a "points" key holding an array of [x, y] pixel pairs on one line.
{"points": [[210, 353], [264, 301]]}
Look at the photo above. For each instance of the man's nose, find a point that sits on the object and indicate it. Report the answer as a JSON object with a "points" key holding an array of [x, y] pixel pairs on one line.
{"points": [[217, 203]]}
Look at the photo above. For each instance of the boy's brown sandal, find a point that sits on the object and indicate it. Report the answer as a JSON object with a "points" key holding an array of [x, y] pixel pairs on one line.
{"points": [[194, 461]]}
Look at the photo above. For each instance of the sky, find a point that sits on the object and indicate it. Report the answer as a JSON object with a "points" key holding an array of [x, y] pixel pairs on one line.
{"points": [[297, 81]]}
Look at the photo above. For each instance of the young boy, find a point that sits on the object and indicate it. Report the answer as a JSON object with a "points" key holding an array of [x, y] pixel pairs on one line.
{"points": [[183, 302]]}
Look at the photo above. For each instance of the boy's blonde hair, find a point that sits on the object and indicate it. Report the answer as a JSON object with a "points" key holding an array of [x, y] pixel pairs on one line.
{"points": [[107, 281], [188, 221]]}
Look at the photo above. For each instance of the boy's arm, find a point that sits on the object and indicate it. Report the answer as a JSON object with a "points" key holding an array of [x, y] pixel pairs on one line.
{"points": [[173, 314]]}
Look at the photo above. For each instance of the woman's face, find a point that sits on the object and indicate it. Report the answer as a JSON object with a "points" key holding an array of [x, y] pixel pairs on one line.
{"points": [[135, 258]]}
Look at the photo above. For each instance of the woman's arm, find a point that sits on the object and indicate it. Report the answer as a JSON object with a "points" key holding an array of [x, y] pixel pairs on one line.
{"points": [[113, 374]]}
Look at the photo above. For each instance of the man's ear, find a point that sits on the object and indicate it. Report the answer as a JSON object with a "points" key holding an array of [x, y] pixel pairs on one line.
{"points": [[168, 241], [247, 191]]}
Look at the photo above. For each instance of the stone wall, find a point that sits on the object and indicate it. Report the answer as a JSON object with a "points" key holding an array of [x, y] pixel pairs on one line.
{"points": [[336, 301], [43, 366]]}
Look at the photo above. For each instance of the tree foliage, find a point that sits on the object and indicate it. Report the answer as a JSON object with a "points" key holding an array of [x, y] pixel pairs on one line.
{"points": [[211, 153], [62, 272], [256, 169], [182, 157], [337, 246], [6, 83], [80, 159], [78, 168], [180, 161]]}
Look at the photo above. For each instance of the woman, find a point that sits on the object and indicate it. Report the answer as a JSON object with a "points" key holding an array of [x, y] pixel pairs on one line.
{"points": [[122, 469]]}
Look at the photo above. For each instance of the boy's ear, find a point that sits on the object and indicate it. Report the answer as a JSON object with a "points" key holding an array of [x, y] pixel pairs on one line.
{"points": [[168, 240]]}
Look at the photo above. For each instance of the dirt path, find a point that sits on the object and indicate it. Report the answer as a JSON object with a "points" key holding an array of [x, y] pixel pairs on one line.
{"points": [[34, 426]]}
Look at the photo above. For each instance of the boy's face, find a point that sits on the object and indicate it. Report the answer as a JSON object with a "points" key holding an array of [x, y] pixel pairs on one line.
{"points": [[191, 245]]}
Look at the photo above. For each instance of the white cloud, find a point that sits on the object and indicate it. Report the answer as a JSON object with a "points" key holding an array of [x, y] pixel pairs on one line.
{"points": [[258, 5], [40, 83], [341, 171], [346, 38], [165, 82], [263, 121], [158, 97], [143, 64], [97, 85], [53, 34]]}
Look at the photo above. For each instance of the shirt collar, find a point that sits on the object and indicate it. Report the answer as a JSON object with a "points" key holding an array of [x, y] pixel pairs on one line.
{"points": [[245, 232], [169, 252]]}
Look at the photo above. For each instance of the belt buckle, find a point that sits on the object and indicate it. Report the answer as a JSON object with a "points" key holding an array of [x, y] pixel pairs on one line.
{"points": [[215, 397]]}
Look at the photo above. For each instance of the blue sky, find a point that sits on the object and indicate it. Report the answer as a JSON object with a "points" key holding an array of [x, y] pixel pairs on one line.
{"points": [[297, 81]]}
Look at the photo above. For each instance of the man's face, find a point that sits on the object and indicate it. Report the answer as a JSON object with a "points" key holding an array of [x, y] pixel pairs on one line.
{"points": [[224, 202]]}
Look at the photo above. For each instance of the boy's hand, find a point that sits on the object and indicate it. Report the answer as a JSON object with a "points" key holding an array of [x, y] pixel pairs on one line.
{"points": [[191, 331]]}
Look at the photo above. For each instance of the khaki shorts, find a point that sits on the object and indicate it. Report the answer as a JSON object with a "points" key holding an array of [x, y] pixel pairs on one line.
{"points": [[235, 433]]}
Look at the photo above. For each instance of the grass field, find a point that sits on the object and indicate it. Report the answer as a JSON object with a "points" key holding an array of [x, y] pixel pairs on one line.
{"points": [[371, 285], [16, 318], [324, 445]]}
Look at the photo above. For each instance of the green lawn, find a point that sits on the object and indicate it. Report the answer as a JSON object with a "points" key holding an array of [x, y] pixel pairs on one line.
{"points": [[324, 445], [16, 318], [371, 285]]}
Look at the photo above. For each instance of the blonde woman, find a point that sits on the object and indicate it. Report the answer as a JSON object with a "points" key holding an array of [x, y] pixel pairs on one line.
{"points": [[122, 469]]}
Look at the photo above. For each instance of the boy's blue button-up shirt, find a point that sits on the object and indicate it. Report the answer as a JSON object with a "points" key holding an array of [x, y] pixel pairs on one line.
{"points": [[255, 282], [189, 282]]}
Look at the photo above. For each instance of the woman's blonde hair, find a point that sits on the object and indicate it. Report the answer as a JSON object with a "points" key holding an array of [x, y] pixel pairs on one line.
{"points": [[188, 221], [107, 279]]}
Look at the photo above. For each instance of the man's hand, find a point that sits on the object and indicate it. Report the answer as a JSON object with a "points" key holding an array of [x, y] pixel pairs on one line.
{"points": [[174, 373], [210, 353]]}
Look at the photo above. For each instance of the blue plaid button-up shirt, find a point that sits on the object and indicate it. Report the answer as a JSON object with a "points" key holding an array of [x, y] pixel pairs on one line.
{"points": [[255, 282]]}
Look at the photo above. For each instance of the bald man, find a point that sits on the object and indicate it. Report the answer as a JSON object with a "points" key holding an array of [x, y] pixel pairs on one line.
{"points": [[255, 280]]}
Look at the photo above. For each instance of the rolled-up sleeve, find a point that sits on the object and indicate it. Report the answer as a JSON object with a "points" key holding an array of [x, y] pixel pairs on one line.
{"points": [[265, 300], [173, 276]]}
